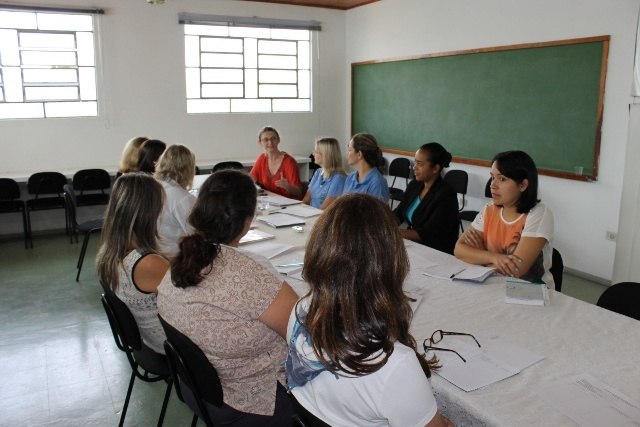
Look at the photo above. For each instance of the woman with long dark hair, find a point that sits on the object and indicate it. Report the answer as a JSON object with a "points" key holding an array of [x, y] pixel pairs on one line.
{"points": [[232, 304], [352, 360]]}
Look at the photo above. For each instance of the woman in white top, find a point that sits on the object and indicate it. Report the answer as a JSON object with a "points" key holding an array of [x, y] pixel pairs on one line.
{"points": [[352, 360], [128, 262], [512, 233], [175, 171]]}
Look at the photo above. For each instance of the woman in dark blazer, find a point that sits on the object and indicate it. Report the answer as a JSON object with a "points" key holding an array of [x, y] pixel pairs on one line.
{"points": [[429, 205]]}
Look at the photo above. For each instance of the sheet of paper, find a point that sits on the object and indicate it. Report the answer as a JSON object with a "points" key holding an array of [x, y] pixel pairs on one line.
{"points": [[591, 403], [302, 210], [267, 248], [290, 263], [493, 362]]}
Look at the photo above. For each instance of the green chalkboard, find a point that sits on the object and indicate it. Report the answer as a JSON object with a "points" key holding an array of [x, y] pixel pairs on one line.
{"points": [[544, 98]]}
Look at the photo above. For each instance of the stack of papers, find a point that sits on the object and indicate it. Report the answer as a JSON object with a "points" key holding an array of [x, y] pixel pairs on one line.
{"points": [[459, 271], [278, 220], [496, 360], [527, 293]]}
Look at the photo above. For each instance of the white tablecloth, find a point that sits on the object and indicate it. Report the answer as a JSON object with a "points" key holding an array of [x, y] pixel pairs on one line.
{"points": [[575, 337]]}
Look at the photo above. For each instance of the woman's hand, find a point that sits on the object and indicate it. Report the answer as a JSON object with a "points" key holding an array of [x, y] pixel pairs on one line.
{"points": [[508, 265], [474, 238]]}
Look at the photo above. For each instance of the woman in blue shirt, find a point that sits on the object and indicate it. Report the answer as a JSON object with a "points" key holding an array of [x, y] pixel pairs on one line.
{"points": [[327, 183], [365, 156], [429, 205]]}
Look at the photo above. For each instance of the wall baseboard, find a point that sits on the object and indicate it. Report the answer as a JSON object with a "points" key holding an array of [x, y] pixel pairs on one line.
{"points": [[588, 276]]}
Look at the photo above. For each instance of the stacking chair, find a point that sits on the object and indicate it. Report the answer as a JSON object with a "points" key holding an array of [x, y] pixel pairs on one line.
{"points": [[469, 216], [96, 181], [227, 165], [10, 202], [192, 373], [86, 227], [146, 364], [458, 180], [41, 184], [313, 166], [306, 418], [623, 298], [557, 269], [400, 167]]}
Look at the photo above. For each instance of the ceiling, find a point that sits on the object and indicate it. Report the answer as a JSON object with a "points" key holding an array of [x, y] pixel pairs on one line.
{"points": [[331, 4]]}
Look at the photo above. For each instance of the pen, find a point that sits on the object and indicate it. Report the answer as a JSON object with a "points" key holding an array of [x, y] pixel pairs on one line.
{"points": [[456, 273], [294, 264]]}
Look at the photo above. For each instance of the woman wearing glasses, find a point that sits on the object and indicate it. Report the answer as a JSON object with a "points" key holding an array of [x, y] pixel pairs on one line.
{"points": [[275, 170], [327, 182], [232, 304], [512, 233], [352, 360]]}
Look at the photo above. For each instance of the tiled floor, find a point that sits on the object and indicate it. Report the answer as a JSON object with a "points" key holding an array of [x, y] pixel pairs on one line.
{"points": [[58, 362]]}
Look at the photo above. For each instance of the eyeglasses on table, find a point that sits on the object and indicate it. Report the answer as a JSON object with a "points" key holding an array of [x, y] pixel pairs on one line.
{"points": [[438, 335]]}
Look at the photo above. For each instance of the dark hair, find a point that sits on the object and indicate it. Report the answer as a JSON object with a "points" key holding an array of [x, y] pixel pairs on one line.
{"points": [[518, 166], [437, 154], [149, 153], [358, 307], [135, 204], [367, 144], [226, 199], [268, 129]]}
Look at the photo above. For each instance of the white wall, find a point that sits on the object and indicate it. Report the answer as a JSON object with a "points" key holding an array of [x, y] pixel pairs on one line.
{"points": [[583, 211], [143, 93]]}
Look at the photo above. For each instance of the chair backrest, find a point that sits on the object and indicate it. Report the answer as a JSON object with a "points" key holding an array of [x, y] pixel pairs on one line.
{"points": [[400, 167], [487, 189], [623, 298], [9, 189], [123, 325], [91, 180], [190, 367], [70, 203], [227, 165], [557, 269], [46, 183], [306, 418], [458, 180]]}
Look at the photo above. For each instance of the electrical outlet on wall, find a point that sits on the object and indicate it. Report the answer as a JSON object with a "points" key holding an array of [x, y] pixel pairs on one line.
{"points": [[611, 235]]}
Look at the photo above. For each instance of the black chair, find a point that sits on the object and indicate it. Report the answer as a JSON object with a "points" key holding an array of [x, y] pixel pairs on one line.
{"points": [[146, 364], [95, 182], [227, 165], [304, 417], [400, 167], [458, 180], [557, 269], [313, 166], [86, 227], [469, 216], [623, 298], [192, 373], [45, 183], [10, 202]]}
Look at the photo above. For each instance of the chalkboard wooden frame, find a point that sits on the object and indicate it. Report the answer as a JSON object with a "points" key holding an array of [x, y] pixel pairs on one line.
{"points": [[378, 104]]}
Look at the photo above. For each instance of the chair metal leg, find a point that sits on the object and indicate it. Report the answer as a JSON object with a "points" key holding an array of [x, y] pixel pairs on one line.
{"points": [[126, 400], [194, 420], [29, 228], [165, 402], [25, 229], [83, 251]]}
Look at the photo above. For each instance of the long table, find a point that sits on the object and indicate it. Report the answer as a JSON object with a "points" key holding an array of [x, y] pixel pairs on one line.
{"points": [[574, 337]]}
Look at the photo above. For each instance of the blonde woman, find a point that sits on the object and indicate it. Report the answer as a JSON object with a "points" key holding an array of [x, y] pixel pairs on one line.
{"points": [[327, 183], [129, 156], [175, 171]]}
